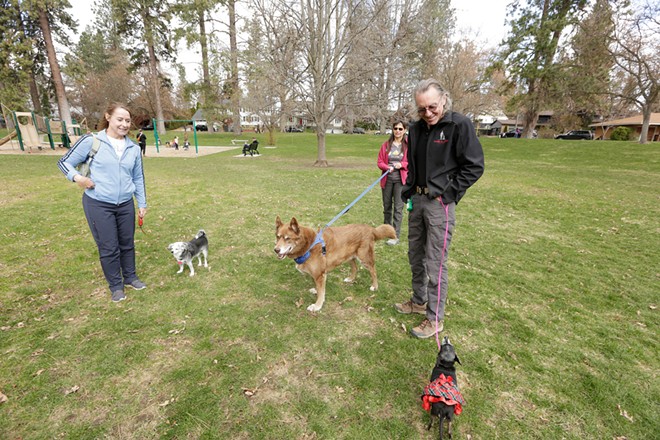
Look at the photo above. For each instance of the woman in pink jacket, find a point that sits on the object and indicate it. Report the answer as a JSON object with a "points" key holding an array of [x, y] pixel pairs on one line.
{"points": [[393, 156]]}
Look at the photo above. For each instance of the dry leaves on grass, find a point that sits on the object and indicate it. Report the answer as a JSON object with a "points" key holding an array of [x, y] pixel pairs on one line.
{"points": [[177, 331], [73, 389], [3, 398], [167, 402], [624, 413], [249, 392]]}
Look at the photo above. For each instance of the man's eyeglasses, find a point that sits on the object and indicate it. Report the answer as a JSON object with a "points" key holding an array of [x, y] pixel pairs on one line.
{"points": [[399, 128], [432, 108]]}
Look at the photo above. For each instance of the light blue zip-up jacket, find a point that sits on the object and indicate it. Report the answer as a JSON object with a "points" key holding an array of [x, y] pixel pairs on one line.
{"points": [[116, 179]]}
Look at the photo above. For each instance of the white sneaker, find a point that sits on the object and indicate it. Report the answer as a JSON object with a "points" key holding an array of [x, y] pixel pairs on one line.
{"points": [[392, 241]]}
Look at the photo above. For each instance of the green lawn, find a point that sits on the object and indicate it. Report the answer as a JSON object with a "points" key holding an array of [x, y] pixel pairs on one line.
{"points": [[554, 281]]}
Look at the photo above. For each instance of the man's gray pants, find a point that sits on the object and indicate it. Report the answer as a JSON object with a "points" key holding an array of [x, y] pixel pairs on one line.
{"points": [[428, 224]]}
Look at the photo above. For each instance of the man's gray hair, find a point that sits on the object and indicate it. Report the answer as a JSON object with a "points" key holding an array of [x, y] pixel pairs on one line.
{"points": [[426, 84]]}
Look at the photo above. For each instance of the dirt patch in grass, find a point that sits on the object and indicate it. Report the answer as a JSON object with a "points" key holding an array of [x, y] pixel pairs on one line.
{"points": [[151, 151]]}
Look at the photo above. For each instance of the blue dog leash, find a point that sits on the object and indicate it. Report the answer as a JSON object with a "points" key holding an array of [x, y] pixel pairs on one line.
{"points": [[319, 236]]}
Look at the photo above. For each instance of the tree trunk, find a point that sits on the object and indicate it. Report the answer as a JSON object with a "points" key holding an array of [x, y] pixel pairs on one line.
{"points": [[320, 138], [56, 74], [531, 113], [34, 95], [203, 42], [646, 121], [233, 49], [155, 80]]}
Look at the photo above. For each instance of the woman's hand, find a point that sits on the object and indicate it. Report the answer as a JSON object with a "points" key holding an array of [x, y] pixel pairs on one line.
{"points": [[83, 182], [142, 212]]}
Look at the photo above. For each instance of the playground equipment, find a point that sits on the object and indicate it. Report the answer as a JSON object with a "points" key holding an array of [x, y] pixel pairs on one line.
{"points": [[34, 131], [9, 137], [191, 121]]}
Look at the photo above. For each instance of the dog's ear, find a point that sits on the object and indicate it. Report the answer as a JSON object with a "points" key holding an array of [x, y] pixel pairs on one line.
{"points": [[294, 225], [457, 359]]}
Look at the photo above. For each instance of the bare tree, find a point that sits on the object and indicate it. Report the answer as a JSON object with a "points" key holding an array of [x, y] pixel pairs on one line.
{"points": [[323, 33], [635, 46], [464, 73]]}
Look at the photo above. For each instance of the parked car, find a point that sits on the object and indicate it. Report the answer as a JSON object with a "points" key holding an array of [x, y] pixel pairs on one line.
{"points": [[201, 125], [358, 130], [510, 134], [576, 134], [294, 130]]}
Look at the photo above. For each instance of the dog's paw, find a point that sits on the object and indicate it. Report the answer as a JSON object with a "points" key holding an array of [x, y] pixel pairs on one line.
{"points": [[373, 288], [192, 274], [313, 291], [313, 308]]}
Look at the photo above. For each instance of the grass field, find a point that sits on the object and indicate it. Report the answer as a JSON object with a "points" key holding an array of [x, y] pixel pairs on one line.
{"points": [[553, 293]]}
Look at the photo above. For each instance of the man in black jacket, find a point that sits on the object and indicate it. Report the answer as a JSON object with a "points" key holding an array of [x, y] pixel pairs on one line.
{"points": [[445, 158]]}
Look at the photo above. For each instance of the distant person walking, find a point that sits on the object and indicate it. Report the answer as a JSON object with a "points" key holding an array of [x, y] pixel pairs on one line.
{"points": [[116, 178], [142, 141], [444, 160], [393, 157]]}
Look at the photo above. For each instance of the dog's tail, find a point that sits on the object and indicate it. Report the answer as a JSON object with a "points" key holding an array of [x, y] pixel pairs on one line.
{"points": [[201, 233], [384, 231]]}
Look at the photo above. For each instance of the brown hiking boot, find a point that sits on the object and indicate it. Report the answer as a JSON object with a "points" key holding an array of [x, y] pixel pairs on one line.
{"points": [[410, 307], [427, 329]]}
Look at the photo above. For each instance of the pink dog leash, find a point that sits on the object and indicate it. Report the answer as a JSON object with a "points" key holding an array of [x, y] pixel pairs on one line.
{"points": [[442, 258]]}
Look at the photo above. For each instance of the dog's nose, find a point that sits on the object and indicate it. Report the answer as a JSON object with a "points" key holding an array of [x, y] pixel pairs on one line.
{"points": [[277, 250]]}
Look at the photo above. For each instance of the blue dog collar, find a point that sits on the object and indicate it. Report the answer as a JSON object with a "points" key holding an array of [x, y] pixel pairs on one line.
{"points": [[306, 255]]}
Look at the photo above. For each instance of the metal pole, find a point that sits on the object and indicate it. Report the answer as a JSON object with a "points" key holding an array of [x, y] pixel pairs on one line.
{"points": [[18, 131], [153, 122], [194, 124]]}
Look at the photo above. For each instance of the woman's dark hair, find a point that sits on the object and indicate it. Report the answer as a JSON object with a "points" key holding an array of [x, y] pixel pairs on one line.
{"points": [[404, 141], [110, 110]]}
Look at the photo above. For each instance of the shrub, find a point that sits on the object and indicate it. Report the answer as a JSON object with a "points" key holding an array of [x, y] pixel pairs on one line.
{"points": [[621, 134]]}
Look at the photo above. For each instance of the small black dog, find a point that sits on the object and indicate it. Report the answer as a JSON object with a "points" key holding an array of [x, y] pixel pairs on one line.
{"points": [[442, 395]]}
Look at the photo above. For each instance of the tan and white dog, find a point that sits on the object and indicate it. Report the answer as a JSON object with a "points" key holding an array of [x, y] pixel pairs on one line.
{"points": [[340, 244]]}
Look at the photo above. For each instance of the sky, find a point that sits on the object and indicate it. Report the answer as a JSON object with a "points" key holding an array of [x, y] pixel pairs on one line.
{"points": [[480, 19]]}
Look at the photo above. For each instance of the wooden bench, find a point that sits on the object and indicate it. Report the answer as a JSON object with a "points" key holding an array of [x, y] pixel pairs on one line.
{"points": [[239, 141]]}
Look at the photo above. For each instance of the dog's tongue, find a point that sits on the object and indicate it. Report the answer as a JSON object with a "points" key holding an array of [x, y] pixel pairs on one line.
{"points": [[180, 262], [281, 256]]}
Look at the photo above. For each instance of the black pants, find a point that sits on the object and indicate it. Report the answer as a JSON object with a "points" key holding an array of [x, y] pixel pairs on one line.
{"points": [[113, 229], [392, 202]]}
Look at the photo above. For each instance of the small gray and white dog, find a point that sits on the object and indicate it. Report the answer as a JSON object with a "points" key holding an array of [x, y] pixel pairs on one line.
{"points": [[186, 251]]}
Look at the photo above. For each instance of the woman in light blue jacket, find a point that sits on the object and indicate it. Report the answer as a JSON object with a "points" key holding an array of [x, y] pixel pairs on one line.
{"points": [[116, 177]]}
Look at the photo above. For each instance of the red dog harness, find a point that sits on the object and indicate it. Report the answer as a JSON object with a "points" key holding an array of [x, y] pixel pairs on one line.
{"points": [[444, 390]]}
